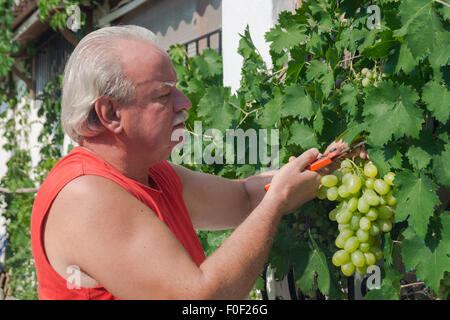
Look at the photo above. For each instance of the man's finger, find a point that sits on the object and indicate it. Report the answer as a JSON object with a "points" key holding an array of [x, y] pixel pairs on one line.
{"points": [[306, 158]]}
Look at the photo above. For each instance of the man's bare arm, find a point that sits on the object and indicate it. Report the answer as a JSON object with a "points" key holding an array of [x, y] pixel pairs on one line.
{"points": [[122, 244], [214, 203]]}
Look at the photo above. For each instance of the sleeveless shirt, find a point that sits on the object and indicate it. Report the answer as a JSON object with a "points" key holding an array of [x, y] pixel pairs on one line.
{"points": [[166, 201]]}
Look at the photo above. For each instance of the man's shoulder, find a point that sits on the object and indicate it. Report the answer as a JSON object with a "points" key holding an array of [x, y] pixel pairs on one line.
{"points": [[92, 187]]}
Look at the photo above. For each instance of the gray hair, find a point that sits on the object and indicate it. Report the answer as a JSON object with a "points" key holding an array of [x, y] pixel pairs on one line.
{"points": [[92, 71]]}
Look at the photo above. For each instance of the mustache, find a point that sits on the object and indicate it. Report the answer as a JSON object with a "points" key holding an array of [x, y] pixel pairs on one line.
{"points": [[180, 117]]}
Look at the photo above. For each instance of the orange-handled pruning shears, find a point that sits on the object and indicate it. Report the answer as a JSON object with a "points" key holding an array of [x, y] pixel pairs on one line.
{"points": [[327, 158]]}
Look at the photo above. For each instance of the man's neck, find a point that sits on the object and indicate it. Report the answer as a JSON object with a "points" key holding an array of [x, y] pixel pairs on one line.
{"points": [[130, 166]]}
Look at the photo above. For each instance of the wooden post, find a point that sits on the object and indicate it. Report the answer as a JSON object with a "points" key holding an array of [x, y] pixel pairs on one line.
{"points": [[29, 82], [69, 36]]}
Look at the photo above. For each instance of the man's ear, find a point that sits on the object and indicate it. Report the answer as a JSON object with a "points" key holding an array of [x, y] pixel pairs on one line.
{"points": [[108, 113]]}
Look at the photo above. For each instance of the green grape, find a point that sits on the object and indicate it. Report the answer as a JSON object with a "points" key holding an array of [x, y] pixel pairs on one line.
{"points": [[364, 71], [354, 184], [338, 174], [381, 187], [362, 270], [374, 229], [385, 225], [340, 257], [365, 82], [363, 206], [344, 216], [343, 192], [389, 178], [377, 252], [372, 215], [390, 199], [332, 214], [322, 193], [364, 247], [339, 242], [383, 200], [357, 258], [343, 226], [346, 164], [370, 258], [332, 193], [362, 235], [369, 183], [352, 204], [369, 74], [346, 233], [329, 180], [364, 223], [346, 178], [370, 170], [385, 212], [354, 222], [351, 244], [371, 197], [348, 269]]}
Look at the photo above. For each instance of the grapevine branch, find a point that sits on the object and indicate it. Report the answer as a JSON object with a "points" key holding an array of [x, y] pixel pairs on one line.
{"points": [[412, 284], [443, 3], [20, 190]]}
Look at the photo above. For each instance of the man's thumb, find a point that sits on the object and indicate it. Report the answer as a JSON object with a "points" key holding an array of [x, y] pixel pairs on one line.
{"points": [[306, 158]]}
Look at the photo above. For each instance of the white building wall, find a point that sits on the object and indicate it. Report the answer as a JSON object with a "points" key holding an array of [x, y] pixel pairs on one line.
{"points": [[260, 16]]}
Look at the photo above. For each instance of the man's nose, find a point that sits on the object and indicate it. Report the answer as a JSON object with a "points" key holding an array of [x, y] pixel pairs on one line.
{"points": [[181, 101]]}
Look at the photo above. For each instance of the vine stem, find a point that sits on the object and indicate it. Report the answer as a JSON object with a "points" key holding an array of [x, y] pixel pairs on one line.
{"points": [[443, 3], [351, 58], [21, 190], [412, 284]]}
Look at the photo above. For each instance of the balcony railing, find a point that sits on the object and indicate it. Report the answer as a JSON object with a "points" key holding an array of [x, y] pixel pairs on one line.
{"points": [[211, 40]]}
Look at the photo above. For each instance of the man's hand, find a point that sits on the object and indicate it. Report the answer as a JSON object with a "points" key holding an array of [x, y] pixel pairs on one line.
{"points": [[340, 146], [293, 185]]}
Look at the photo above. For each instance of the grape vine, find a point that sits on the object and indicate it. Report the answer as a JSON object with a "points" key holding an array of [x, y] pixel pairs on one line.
{"points": [[334, 77]]}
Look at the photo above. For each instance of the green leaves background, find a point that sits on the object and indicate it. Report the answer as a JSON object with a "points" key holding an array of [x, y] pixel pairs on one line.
{"points": [[313, 95]]}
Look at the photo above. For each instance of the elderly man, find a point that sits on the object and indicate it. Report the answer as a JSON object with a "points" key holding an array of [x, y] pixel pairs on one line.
{"points": [[115, 220]]}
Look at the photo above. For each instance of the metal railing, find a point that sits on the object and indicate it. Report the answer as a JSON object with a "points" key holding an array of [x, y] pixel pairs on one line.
{"points": [[209, 38]]}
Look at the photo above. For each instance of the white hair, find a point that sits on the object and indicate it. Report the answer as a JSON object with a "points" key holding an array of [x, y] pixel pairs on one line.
{"points": [[92, 71]]}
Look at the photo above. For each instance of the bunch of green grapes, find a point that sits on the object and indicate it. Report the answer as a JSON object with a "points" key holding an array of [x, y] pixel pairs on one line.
{"points": [[371, 76], [366, 208]]}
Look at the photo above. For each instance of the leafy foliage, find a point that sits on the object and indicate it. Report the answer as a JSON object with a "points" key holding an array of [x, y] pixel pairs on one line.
{"points": [[314, 94]]}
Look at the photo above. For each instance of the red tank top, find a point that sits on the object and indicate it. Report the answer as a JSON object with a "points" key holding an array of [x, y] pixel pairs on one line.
{"points": [[166, 201]]}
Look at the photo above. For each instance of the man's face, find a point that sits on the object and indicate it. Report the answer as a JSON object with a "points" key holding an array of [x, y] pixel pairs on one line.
{"points": [[149, 121]]}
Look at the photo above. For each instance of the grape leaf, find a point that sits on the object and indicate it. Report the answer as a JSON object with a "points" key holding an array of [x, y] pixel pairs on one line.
{"points": [[437, 98], [415, 14], [209, 63], [272, 110], [429, 261], [416, 199], [285, 35], [421, 151], [303, 135], [441, 166], [316, 264], [390, 110], [348, 98], [385, 158], [316, 69], [215, 109], [297, 103]]}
